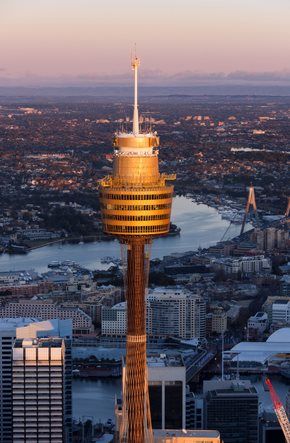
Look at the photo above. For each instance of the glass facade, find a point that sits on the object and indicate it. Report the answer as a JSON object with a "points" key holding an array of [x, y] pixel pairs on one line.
{"points": [[155, 395], [173, 405]]}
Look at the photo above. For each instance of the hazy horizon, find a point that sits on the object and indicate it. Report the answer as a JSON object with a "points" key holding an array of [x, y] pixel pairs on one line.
{"points": [[180, 42]]}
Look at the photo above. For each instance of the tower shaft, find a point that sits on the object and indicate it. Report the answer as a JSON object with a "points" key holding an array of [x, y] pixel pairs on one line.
{"points": [[136, 426]]}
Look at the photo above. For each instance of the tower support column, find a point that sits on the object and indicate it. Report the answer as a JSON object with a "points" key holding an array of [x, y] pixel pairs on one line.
{"points": [[136, 425]]}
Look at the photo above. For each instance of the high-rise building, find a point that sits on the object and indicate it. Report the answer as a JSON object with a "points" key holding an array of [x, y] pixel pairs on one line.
{"points": [[10, 329], [233, 409], [176, 312], [7, 336], [39, 391], [136, 205], [167, 390]]}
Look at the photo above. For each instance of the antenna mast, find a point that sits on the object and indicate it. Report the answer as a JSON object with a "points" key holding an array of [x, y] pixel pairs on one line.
{"points": [[135, 66]]}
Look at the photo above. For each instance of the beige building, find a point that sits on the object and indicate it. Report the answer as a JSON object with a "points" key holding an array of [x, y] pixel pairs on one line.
{"points": [[44, 310], [216, 322]]}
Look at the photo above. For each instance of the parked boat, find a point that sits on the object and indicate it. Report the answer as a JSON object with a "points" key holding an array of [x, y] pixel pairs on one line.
{"points": [[94, 368], [174, 230], [54, 264]]}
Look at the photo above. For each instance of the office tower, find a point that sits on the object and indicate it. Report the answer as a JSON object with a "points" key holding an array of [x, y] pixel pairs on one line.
{"points": [[136, 204], [56, 329], [39, 390], [167, 391], [25, 327], [232, 408], [7, 336]]}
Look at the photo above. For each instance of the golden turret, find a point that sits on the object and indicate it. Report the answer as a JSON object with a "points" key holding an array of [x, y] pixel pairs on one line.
{"points": [[136, 199]]}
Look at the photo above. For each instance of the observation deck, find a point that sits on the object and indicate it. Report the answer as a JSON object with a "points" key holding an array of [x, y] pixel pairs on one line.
{"points": [[136, 199]]}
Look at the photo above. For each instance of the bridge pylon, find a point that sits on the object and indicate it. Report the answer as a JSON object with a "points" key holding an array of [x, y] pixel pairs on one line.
{"points": [[251, 204]]}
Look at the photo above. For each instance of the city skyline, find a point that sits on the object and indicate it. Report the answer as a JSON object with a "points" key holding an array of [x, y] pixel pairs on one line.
{"points": [[181, 43]]}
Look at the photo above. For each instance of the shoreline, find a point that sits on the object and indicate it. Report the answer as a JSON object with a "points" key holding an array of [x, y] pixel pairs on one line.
{"points": [[23, 249]]}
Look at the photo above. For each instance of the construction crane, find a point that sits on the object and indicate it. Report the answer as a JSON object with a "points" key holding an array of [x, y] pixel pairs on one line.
{"points": [[280, 411]]}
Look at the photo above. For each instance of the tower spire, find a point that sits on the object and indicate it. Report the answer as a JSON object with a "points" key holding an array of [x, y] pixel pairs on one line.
{"points": [[135, 66]]}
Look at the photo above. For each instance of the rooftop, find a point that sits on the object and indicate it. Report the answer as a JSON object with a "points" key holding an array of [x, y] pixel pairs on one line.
{"points": [[164, 360], [276, 346], [38, 343], [186, 433], [11, 323]]}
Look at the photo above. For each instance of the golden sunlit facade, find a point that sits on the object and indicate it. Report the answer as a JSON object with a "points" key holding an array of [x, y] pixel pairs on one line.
{"points": [[136, 206]]}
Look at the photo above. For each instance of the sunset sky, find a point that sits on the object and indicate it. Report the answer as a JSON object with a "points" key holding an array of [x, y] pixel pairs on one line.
{"points": [[89, 39]]}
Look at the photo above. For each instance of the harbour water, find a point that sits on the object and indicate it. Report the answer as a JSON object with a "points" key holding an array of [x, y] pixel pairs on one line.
{"points": [[94, 399], [201, 226]]}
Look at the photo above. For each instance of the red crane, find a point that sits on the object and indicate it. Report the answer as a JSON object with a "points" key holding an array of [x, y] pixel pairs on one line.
{"points": [[280, 411]]}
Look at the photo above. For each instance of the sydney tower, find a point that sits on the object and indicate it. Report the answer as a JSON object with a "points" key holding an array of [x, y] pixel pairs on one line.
{"points": [[136, 205]]}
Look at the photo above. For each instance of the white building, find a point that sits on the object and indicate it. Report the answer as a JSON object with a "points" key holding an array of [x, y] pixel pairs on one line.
{"points": [[244, 265], [170, 312], [39, 234], [114, 320], [281, 311], [257, 325], [259, 355], [176, 312]]}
